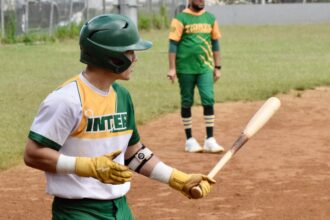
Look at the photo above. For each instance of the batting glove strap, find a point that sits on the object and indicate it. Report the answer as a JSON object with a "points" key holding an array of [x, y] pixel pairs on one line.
{"points": [[178, 179]]}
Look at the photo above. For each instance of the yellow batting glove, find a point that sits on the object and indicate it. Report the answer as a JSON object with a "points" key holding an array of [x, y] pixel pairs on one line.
{"points": [[103, 168], [185, 182]]}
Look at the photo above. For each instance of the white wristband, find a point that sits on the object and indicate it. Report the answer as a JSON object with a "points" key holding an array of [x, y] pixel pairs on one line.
{"points": [[66, 164], [161, 172]]}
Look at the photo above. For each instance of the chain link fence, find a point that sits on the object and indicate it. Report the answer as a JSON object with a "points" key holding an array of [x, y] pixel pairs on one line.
{"points": [[25, 16], [19, 17]]}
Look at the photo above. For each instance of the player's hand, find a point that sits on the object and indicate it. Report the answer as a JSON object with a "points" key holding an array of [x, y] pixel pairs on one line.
{"points": [[185, 182], [216, 74], [103, 168], [171, 75]]}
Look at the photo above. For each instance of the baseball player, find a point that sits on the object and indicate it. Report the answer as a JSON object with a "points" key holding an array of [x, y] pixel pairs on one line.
{"points": [[194, 57], [84, 135]]}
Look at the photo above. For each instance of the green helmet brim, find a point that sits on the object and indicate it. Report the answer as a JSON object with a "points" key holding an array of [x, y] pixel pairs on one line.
{"points": [[140, 45]]}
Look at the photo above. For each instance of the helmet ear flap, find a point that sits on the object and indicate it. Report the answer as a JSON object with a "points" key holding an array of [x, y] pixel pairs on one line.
{"points": [[120, 62], [115, 61]]}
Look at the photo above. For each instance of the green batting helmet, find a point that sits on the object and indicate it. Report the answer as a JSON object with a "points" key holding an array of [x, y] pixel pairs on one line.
{"points": [[104, 40]]}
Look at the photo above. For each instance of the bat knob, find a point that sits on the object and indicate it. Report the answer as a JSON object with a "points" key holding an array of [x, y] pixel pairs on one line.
{"points": [[196, 192]]}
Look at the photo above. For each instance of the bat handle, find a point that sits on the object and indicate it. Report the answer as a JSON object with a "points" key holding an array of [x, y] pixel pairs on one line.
{"points": [[196, 192]]}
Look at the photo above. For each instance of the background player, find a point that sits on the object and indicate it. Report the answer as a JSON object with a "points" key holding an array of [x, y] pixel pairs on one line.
{"points": [[85, 137], [194, 57]]}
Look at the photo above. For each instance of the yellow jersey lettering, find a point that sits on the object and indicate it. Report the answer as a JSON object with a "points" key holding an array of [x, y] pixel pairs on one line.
{"points": [[198, 28]]}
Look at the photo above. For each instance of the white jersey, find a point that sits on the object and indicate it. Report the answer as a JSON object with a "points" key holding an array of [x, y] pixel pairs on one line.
{"points": [[80, 120]]}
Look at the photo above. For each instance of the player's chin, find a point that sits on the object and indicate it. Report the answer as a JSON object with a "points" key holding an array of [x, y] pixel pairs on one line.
{"points": [[126, 75], [125, 78]]}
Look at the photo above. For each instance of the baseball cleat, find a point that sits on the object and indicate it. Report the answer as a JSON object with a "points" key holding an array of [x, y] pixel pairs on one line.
{"points": [[193, 146], [211, 146]]}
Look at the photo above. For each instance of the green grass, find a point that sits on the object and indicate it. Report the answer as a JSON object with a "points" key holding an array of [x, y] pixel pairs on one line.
{"points": [[262, 61], [258, 62]]}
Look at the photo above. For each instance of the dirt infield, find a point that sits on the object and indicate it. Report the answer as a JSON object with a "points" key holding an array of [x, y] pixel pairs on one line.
{"points": [[282, 173]]}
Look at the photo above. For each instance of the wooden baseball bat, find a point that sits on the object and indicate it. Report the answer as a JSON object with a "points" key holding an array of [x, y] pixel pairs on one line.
{"points": [[259, 119]]}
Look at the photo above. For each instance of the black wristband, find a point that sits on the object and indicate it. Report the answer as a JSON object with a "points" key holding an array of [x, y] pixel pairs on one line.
{"points": [[218, 67]]}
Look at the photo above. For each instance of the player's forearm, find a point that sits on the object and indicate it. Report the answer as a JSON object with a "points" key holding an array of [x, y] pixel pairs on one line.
{"points": [[216, 52], [151, 166], [171, 60], [172, 48], [102, 168], [141, 159], [217, 58], [40, 157]]}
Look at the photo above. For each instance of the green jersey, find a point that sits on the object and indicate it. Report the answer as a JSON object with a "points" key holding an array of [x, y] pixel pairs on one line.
{"points": [[194, 32]]}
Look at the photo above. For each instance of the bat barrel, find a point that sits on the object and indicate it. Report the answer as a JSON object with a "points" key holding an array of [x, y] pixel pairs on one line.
{"points": [[259, 119]]}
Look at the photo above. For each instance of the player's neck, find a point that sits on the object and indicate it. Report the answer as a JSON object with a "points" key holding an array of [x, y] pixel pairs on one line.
{"points": [[195, 9], [99, 78], [194, 12]]}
